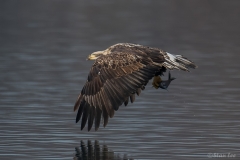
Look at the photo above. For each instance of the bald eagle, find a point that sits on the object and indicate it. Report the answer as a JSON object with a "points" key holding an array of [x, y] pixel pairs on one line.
{"points": [[118, 73]]}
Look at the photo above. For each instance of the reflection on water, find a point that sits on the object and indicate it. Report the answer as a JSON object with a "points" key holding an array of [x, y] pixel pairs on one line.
{"points": [[97, 152]]}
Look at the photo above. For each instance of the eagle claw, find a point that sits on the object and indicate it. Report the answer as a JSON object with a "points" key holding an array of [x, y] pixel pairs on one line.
{"points": [[158, 83]]}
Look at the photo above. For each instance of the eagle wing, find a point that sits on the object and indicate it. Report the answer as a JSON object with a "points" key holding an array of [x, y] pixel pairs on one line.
{"points": [[113, 80]]}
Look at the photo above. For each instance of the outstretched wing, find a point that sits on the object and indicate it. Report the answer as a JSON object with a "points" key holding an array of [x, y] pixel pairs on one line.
{"points": [[112, 81]]}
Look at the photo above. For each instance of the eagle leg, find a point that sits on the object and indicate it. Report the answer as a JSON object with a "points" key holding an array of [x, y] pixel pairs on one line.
{"points": [[156, 81]]}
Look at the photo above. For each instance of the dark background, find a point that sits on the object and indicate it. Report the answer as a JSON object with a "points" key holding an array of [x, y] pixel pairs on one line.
{"points": [[43, 47]]}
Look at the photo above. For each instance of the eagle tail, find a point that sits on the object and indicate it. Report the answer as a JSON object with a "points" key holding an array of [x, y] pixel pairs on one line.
{"points": [[177, 62]]}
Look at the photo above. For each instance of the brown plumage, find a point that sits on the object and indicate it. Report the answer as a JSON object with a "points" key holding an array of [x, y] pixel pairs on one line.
{"points": [[120, 72]]}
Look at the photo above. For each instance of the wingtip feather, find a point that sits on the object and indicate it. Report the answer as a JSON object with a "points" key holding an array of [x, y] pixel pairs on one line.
{"points": [[77, 103]]}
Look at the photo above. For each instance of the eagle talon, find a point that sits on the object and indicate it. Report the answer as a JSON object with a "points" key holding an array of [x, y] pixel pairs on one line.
{"points": [[156, 81]]}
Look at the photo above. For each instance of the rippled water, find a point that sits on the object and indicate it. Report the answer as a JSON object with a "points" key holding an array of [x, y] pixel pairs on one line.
{"points": [[44, 44]]}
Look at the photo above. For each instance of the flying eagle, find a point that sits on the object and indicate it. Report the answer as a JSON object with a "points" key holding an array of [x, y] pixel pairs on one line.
{"points": [[120, 72]]}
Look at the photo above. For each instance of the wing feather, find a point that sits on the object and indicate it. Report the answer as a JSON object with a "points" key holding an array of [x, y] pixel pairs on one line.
{"points": [[138, 91], [87, 89], [140, 79], [126, 101], [98, 116], [80, 110], [120, 91], [132, 98], [91, 117], [107, 104], [124, 86], [85, 115], [77, 104], [105, 117], [117, 93], [110, 95], [120, 72]]}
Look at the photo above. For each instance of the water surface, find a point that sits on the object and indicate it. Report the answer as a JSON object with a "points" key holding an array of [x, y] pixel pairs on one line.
{"points": [[44, 45]]}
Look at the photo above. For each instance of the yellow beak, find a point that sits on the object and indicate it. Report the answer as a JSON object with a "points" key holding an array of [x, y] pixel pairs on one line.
{"points": [[91, 57]]}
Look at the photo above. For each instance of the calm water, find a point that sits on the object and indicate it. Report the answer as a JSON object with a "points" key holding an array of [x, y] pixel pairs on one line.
{"points": [[43, 47]]}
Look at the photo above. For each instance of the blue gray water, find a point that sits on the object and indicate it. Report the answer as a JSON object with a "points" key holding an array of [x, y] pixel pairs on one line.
{"points": [[43, 47]]}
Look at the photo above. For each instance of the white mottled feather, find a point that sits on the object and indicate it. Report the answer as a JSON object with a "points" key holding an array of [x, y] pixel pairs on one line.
{"points": [[171, 57]]}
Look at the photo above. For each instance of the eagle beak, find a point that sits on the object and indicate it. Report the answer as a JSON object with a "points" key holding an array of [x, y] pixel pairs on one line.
{"points": [[91, 57]]}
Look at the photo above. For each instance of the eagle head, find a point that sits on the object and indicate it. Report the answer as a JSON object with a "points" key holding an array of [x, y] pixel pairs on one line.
{"points": [[97, 54]]}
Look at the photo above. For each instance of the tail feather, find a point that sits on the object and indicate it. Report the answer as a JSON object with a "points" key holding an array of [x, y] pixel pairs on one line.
{"points": [[177, 62], [185, 61]]}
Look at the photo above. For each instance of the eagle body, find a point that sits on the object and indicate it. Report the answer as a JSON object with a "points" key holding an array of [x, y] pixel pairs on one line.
{"points": [[118, 73]]}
